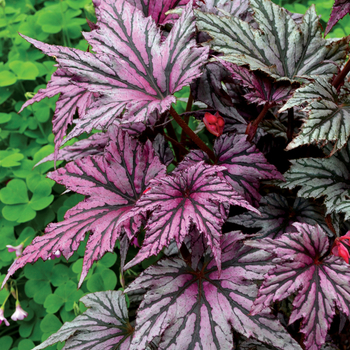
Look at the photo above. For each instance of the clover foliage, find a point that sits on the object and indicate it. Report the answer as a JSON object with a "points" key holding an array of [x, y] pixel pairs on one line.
{"points": [[207, 144]]}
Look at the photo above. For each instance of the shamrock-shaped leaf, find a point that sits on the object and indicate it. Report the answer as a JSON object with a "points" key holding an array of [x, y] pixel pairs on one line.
{"points": [[112, 183], [328, 114], [318, 177], [301, 49], [103, 326], [340, 9], [196, 308], [245, 165], [178, 202], [320, 282], [277, 216], [19, 207]]}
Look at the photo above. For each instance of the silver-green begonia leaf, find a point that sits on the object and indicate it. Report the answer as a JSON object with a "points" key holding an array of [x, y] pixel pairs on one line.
{"points": [[280, 47], [103, 326], [318, 177], [328, 114]]}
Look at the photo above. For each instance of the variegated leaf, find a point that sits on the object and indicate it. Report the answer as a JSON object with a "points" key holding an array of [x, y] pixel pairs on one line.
{"points": [[103, 326], [340, 9], [245, 165], [112, 182], [95, 144], [178, 202], [321, 283], [233, 7], [318, 177], [280, 47], [328, 114], [135, 73], [197, 308], [277, 216]]}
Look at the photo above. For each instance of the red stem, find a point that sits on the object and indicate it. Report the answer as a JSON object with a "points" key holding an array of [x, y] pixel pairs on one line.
{"points": [[172, 135], [195, 138], [252, 127], [339, 79]]}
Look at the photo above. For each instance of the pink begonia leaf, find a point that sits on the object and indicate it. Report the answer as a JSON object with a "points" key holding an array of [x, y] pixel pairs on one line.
{"points": [[277, 216], [245, 165], [103, 326], [178, 202], [72, 98], [157, 8], [93, 145], [340, 9], [262, 89], [132, 71], [197, 307], [112, 182], [321, 283]]}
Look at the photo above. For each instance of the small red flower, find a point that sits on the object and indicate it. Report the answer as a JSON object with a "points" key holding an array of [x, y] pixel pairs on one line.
{"points": [[214, 123], [339, 249]]}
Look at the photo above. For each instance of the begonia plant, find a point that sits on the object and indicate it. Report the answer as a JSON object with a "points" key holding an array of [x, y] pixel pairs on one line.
{"points": [[238, 201]]}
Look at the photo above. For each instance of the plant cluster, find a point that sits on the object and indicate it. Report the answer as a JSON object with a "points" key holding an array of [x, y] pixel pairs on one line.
{"points": [[28, 200], [190, 105]]}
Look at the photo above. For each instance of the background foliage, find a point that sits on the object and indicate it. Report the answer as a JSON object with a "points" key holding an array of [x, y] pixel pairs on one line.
{"points": [[28, 200]]}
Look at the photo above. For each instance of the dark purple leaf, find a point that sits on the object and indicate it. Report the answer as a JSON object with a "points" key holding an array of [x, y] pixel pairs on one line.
{"points": [[340, 9], [262, 89], [197, 308], [112, 182], [157, 8], [321, 283], [93, 145], [162, 149], [277, 216], [245, 165], [208, 89], [72, 98], [134, 73], [178, 202], [279, 47], [103, 326]]}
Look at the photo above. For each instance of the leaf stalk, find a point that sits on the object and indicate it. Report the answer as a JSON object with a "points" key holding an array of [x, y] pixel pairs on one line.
{"points": [[339, 79], [195, 138]]}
